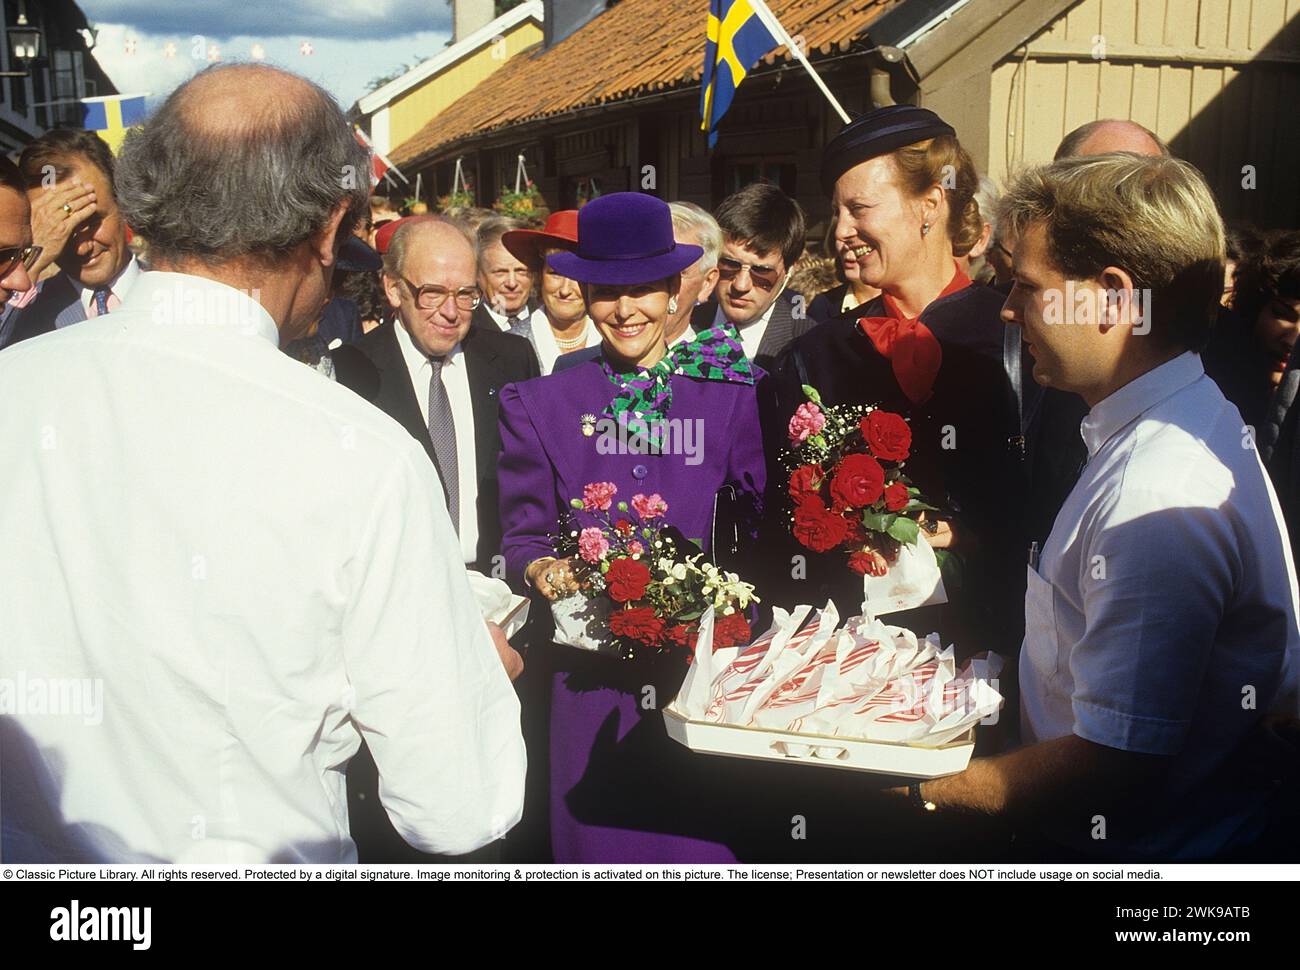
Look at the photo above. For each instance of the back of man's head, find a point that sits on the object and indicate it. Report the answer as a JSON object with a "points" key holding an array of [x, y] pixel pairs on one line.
{"points": [[1153, 217], [243, 161], [763, 218], [1110, 135]]}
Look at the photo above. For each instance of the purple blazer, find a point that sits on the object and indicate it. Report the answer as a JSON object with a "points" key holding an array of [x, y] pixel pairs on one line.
{"points": [[546, 460]]}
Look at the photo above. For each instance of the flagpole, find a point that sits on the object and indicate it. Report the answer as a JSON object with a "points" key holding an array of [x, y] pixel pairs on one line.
{"points": [[779, 32]]}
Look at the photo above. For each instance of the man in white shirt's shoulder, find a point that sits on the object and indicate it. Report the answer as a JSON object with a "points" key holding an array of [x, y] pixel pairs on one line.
{"points": [[199, 643], [1161, 650]]}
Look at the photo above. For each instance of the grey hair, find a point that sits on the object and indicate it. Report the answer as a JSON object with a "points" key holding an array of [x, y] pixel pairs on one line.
{"points": [[395, 256], [489, 234], [986, 197], [252, 190], [690, 218]]}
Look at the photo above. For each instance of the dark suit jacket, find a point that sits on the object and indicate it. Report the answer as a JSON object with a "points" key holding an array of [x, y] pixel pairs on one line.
{"points": [[783, 329], [57, 304], [375, 369], [481, 319]]}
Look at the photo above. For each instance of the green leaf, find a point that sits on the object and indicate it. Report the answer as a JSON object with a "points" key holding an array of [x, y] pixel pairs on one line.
{"points": [[916, 505], [575, 503], [811, 394], [904, 530], [878, 521]]}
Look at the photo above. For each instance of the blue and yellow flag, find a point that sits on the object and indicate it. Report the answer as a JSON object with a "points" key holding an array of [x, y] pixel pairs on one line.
{"points": [[737, 38], [111, 116]]}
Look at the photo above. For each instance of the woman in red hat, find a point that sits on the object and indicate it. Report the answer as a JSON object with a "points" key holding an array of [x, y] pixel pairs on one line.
{"points": [[560, 324]]}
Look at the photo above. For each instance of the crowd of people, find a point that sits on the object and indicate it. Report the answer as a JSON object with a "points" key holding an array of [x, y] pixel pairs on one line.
{"points": [[270, 568]]}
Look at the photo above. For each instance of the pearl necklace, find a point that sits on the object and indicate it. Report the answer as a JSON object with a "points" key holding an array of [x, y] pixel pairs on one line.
{"points": [[573, 343]]}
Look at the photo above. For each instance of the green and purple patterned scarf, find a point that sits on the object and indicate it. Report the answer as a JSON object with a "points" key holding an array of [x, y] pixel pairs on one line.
{"points": [[645, 397]]}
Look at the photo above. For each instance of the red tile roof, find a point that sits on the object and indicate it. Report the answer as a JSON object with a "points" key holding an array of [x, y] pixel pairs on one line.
{"points": [[636, 47]]}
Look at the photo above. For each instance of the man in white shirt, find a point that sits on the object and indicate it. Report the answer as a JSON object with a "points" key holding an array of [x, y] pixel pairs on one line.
{"points": [[79, 227], [762, 237], [1161, 620], [195, 642]]}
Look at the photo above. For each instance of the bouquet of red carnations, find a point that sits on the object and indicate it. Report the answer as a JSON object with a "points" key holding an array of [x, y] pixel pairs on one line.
{"points": [[641, 591], [847, 486]]}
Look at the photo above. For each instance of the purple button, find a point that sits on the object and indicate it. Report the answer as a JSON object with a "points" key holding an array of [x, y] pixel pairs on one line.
{"points": [[640, 472]]}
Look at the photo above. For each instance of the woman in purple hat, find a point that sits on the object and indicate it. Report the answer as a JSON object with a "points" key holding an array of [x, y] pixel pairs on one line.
{"points": [[621, 791]]}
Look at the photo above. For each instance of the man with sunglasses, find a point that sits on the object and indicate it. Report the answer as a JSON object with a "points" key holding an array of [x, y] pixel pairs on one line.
{"points": [[762, 237], [17, 254], [76, 222]]}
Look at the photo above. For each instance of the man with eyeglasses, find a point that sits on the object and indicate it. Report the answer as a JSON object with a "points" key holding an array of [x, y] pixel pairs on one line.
{"points": [[17, 254], [76, 221], [762, 237], [438, 377]]}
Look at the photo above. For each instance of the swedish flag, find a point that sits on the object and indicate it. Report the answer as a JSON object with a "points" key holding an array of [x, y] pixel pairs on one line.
{"points": [[111, 116], [737, 38]]}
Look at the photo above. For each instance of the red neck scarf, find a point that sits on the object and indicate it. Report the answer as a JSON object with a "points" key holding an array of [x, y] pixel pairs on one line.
{"points": [[909, 345]]}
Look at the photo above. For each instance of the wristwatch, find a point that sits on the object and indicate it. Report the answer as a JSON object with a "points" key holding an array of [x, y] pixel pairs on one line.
{"points": [[914, 796]]}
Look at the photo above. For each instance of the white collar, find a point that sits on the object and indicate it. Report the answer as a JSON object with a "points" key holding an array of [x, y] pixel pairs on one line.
{"points": [[721, 316], [179, 298], [1124, 406], [415, 357], [120, 285]]}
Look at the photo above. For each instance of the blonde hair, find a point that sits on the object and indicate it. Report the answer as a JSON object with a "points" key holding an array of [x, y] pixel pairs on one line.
{"points": [[942, 161], [1152, 216]]}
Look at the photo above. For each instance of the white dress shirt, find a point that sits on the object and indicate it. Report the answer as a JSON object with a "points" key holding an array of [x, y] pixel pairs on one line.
{"points": [[256, 568], [119, 286], [1163, 615], [751, 336], [548, 350], [456, 380]]}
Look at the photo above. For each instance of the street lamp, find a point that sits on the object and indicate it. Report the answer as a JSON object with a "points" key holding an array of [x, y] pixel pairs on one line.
{"points": [[24, 42]]}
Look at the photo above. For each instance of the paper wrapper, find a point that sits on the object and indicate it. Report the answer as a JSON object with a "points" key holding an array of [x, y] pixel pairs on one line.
{"points": [[495, 601], [913, 580], [864, 680], [583, 623]]}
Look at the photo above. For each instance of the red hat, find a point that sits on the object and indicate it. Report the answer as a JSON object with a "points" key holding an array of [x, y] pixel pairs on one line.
{"points": [[384, 234], [561, 230]]}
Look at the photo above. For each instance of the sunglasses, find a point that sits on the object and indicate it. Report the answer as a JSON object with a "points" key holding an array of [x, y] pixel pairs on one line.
{"points": [[764, 276], [12, 256]]}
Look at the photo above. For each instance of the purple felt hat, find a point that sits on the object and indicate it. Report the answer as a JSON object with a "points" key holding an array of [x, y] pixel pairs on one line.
{"points": [[623, 238]]}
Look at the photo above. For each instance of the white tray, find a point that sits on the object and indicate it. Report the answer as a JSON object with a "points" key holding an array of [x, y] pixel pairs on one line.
{"points": [[821, 750]]}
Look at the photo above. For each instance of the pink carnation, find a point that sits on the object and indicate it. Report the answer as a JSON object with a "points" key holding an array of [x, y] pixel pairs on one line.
{"points": [[592, 545], [597, 495], [635, 548], [808, 420], [649, 506]]}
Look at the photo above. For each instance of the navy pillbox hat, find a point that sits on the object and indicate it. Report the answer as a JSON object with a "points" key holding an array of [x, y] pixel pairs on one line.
{"points": [[876, 133]]}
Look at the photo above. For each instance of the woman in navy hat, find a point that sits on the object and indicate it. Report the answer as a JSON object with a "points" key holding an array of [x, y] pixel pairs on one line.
{"points": [[621, 791], [931, 347]]}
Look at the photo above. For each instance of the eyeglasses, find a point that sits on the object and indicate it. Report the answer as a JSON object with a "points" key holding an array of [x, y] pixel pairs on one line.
{"points": [[11, 257], [764, 276], [433, 297]]}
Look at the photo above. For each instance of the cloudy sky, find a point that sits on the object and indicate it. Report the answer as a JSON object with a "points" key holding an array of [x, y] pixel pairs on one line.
{"points": [[154, 45]]}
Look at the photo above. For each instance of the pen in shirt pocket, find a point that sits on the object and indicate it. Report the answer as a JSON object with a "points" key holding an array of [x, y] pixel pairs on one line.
{"points": [[1033, 555]]}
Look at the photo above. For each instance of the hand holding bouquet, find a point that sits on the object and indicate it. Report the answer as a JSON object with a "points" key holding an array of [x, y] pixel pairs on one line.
{"points": [[847, 487], [640, 576]]}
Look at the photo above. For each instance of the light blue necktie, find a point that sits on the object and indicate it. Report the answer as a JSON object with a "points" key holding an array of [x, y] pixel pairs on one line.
{"points": [[101, 301]]}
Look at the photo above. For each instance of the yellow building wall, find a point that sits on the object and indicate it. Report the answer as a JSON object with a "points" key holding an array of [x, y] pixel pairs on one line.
{"points": [[1219, 80], [408, 114]]}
